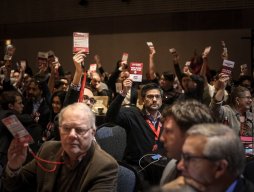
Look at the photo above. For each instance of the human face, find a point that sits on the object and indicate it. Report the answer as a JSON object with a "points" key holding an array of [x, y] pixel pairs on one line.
{"points": [[245, 101], [64, 86], [74, 143], [152, 100], [16, 75], [89, 98], [172, 137], [188, 84], [56, 104], [195, 164], [34, 91], [96, 81], [165, 84], [18, 105], [42, 64]]}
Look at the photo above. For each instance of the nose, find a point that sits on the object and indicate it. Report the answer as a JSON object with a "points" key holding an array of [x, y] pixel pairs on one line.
{"points": [[72, 133]]}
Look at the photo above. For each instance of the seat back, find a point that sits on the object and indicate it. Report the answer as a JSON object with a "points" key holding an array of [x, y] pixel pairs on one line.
{"points": [[127, 178], [112, 139], [248, 171]]}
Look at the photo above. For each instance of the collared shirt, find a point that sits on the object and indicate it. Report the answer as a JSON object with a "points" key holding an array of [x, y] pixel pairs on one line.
{"points": [[232, 186], [153, 120], [36, 105]]}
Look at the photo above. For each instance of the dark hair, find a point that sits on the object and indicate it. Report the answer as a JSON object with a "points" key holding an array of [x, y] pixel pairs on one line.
{"points": [[168, 76], [60, 94], [8, 97], [148, 87], [188, 113]]}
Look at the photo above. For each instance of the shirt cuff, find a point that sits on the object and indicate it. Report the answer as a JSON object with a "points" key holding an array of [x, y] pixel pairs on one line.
{"points": [[12, 173], [75, 87]]}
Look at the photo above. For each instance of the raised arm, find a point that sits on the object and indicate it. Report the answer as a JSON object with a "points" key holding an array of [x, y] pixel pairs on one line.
{"points": [[74, 89], [151, 66], [217, 100], [53, 74], [116, 104]]}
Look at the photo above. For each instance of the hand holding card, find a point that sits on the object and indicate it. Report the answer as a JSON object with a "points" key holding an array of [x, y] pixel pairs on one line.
{"points": [[227, 67]]}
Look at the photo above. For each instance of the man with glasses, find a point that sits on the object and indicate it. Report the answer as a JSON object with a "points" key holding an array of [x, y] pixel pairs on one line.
{"points": [[76, 163], [143, 128], [212, 160], [177, 119]]}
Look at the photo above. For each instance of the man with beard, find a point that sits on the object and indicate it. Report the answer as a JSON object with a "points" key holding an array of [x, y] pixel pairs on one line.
{"points": [[143, 128], [36, 104]]}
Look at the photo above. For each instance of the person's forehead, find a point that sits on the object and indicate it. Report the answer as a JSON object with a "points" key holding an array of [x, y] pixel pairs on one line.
{"points": [[56, 98], [18, 98], [75, 115], [246, 93], [152, 91], [95, 76], [88, 92], [194, 144], [64, 80], [170, 124]]}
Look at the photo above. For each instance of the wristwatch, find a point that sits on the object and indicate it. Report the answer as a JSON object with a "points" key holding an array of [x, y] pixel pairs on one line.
{"points": [[75, 87]]}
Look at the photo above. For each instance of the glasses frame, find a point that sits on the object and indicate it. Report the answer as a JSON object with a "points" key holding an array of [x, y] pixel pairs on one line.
{"points": [[187, 158], [150, 96], [91, 99], [80, 131]]}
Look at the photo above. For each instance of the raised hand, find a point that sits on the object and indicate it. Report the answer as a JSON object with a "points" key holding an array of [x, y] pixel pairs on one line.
{"points": [[222, 81], [127, 83], [78, 59], [17, 154]]}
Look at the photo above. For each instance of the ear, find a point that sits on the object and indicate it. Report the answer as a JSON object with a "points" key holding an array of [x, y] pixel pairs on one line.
{"points": [[10, 106], [93, 132], [237, 100], [222, 166]]}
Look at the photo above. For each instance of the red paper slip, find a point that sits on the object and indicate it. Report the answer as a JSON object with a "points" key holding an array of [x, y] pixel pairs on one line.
{"points": [[227, 67], [17, 129], [136, 71], [80, 42]]}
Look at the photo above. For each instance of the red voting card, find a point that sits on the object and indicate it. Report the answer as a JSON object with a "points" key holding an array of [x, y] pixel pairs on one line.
{"points": [[80, 42], [136, 71], [17, 129]]}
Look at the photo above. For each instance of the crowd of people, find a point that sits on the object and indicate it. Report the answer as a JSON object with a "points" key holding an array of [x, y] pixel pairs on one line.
{"points": [[200, 119]]}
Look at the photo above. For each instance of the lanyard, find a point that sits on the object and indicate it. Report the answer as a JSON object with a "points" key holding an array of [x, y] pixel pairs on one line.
{"points": [[81, 94], [38, 159], [156, 132]]}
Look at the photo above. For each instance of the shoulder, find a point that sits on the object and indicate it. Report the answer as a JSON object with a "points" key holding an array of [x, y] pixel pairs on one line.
{"points": [[50, 147], [244, 185], [102, 156]]}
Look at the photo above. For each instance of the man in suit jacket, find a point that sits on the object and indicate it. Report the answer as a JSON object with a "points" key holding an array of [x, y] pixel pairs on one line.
{"points": [[212, 160], [76, 163], [177, 119]]}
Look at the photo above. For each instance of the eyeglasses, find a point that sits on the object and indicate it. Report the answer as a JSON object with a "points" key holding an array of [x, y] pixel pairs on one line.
{"points": [[187, 158], [153, 96], [92, 100], [247, 97], [78, 130]]}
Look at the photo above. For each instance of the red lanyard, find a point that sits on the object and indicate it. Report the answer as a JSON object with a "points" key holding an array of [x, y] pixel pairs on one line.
{"points": [[156, 132], [81, 94], [38, 159]]}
